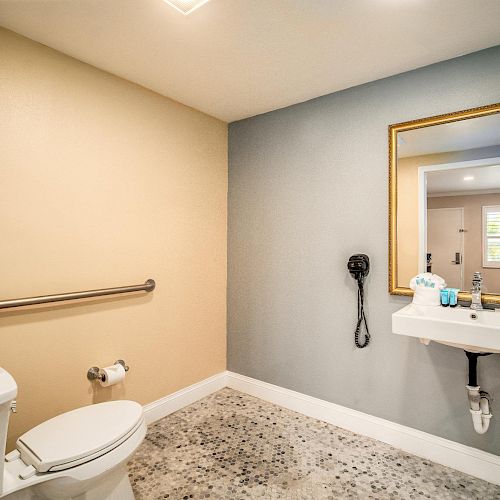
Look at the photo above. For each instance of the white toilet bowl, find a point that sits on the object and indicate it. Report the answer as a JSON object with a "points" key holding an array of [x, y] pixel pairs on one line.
{"points": [[80, 455]]}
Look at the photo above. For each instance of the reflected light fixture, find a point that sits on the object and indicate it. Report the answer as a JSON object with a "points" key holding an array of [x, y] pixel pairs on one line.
{"points": [[185, 6], [469, 178]]}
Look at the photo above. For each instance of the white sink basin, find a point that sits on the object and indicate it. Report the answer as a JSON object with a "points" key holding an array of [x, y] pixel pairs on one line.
{"points": [[476, 331]]}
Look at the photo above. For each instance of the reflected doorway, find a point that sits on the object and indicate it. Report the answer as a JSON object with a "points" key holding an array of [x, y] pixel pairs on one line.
{"points": [[445, 244]]}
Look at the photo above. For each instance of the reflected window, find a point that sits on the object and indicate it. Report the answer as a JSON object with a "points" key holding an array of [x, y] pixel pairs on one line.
{"points": [[491, 236]]}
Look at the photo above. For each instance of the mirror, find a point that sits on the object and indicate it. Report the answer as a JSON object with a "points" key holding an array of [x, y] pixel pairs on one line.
{"points": [[444, 200]]}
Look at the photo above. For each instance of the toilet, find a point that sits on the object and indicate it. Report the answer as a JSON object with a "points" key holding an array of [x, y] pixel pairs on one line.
{"points": [[80, 455]]}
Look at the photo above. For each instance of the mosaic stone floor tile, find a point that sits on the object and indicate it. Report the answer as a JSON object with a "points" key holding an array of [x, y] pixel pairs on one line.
{"points": [[233, 446]]}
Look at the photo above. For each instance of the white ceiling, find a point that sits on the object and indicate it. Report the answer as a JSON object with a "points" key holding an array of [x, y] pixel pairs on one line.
{"points": [[485, 179], [455, 136], [238, 58]]}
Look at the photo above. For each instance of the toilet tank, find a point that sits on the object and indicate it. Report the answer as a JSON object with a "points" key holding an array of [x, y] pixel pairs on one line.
{"points": [[8, 392]]}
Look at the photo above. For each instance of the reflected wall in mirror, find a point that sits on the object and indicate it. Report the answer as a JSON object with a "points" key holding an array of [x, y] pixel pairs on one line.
{"points": [[444, 201]]}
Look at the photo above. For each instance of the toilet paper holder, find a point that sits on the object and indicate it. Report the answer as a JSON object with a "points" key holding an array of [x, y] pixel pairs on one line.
{"points": [[94, 372]]}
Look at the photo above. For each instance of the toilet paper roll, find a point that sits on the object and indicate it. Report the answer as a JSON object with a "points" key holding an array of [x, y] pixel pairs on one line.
{"points": [[112, 375]]}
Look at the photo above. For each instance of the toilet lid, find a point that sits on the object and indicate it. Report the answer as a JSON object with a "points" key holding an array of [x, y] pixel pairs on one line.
{"points": [[80, 435]]}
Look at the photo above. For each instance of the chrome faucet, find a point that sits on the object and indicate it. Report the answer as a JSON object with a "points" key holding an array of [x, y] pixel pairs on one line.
{"points": [[477, 281]]}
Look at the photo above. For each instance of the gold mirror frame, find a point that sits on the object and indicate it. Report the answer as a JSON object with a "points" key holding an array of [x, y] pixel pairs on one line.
{"points": [[393, 207]]}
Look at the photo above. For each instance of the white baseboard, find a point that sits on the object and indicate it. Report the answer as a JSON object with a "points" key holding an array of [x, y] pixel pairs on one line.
{"points": [[189, 395], [443, 451]]}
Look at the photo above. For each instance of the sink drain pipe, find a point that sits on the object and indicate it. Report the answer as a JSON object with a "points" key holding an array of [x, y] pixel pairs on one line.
{"points": [[479, 401]]}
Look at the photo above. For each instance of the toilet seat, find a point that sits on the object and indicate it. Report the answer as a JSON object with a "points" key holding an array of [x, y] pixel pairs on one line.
{"points": [[95, 430], [83, 477]]}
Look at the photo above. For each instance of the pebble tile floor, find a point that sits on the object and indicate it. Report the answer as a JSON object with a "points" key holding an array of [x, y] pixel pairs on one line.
{"points": [[234, 446]]}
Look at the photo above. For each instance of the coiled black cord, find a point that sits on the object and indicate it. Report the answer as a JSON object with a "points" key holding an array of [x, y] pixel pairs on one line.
{"points": [[361, 317]]}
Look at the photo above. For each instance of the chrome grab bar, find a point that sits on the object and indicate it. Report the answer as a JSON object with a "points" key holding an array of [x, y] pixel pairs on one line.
{"points": [[148, 286]]}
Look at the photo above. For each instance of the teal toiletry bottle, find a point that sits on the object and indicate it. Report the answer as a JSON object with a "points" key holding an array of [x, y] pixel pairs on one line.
{"points": [[445, 297], [453, 299]]}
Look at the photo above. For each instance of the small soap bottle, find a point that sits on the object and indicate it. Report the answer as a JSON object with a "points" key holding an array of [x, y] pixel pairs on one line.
{"points": [[445, 297], [453, 300]]}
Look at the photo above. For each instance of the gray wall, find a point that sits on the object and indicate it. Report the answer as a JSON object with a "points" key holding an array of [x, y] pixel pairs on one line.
{"points": [[308, 188]]}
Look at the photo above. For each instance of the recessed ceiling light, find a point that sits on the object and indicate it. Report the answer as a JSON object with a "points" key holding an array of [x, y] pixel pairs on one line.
{"points": [[469, 178], [186, 6]]}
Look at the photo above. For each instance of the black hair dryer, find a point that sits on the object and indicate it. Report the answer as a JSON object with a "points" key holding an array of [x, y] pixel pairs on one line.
{"points": [[359, 267]]}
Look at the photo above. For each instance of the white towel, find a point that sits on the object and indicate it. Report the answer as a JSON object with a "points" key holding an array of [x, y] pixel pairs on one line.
{"points": [[425, 295], [439, 282]]}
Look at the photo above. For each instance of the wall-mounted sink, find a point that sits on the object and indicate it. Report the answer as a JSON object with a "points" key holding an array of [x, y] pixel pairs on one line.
{"points": [[476, 331]]}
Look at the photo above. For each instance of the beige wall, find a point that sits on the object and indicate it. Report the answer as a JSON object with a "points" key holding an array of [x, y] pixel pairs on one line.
{"points": [[473, 223], [104, 183], [407, 215]]}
